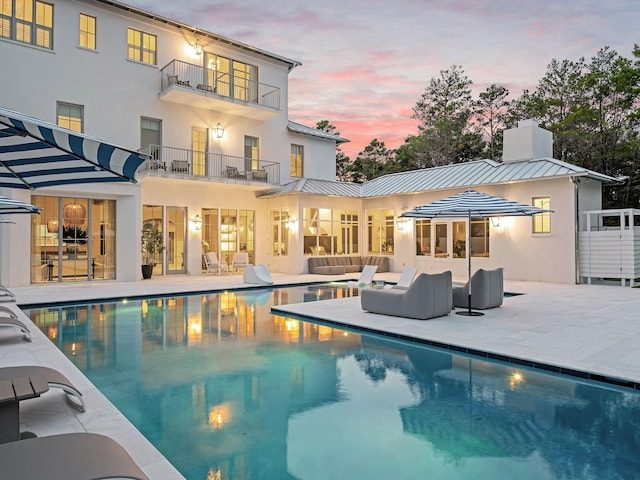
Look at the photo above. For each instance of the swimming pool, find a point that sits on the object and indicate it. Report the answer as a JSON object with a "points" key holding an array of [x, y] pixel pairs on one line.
{"points": [[226, 390]]}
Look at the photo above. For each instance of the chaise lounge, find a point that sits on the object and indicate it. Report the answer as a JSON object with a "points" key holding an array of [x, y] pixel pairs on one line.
{"points": [[487, 290], [258, 275], [53, 377], [72, 456], [10, 319], [428, 296]]}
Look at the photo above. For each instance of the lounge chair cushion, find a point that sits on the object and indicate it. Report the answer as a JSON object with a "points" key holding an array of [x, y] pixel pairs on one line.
{"points": [[487, 290], [72, 456], [428, 296]]}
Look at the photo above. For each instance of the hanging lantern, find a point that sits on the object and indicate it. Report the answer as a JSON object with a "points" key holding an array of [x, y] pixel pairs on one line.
{"points": [[74, 215], [53, 226]]}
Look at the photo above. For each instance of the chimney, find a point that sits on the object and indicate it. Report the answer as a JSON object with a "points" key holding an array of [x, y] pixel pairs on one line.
{"points": [[527, 142]]}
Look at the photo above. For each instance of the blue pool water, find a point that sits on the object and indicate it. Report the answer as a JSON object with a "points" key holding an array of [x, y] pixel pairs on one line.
{"points": [[225, 390]]}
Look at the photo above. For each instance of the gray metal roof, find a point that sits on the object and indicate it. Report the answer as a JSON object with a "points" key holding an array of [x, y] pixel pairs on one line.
{"points": [[299, 128], [316, 187], [458, 175], [476, 173]]}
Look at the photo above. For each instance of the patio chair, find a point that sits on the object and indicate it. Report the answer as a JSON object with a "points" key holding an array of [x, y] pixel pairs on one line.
{"points": [[240, 260], [53, 377], [72, 456], [212, 263], [405, 279], [10, 319], [259, 275], [487, 290], [366, 277], [428, 296]]}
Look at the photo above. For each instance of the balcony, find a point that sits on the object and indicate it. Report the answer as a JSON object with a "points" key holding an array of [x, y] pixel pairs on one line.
{"points": [[170, 161], [200, 87]]}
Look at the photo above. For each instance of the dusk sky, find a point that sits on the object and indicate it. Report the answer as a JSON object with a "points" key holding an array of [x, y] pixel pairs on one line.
{"points": [[365, 64]]}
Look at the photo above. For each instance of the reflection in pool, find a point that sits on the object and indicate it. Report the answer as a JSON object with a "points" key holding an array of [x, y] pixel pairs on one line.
{"points": [[226, 390]]}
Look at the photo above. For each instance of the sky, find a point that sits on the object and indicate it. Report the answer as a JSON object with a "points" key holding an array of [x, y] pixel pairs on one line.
{"points": [[366, 63]]}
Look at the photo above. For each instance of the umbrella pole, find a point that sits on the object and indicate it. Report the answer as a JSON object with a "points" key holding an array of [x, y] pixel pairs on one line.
{"points": [[469, 312]]}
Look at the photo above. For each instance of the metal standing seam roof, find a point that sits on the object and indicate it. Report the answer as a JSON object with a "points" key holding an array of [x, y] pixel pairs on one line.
{"points": [[299, 128], [458, 175]]}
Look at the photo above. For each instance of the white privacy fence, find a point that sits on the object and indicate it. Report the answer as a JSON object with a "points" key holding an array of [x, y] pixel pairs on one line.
{"points": [[609, 245]]}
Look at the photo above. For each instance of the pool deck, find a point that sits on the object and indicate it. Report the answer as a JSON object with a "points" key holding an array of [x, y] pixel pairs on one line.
{"points": [[580, 328]]}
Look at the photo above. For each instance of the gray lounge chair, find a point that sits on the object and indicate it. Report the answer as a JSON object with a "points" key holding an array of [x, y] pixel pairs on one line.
{"points": [[10, 319], [487, 290], [6, 295], [366, 277], [53, 377], [428, 296], [69, 456]]}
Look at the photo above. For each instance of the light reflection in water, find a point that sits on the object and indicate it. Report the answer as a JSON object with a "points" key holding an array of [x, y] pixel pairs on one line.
{"points": [[228, 391]]}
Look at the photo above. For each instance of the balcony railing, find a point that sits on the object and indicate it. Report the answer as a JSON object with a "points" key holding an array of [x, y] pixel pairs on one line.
{"points": [[220, 85], [171, 160]]}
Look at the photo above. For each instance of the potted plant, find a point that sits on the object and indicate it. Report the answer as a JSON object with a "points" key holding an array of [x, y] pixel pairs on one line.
{"points": [[152, 243]]}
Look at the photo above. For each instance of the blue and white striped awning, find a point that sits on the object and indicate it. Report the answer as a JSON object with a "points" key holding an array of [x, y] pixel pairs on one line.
{"points": [[473, 204], [34, 153], [9, 205]]}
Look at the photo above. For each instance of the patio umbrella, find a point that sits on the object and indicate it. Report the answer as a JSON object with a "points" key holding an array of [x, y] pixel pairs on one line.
{"points": [[9, 205], [34, 153], [468, 204]]}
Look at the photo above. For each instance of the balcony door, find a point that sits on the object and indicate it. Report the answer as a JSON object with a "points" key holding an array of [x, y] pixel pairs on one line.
{"points": [[199, 150], [251, 153]]}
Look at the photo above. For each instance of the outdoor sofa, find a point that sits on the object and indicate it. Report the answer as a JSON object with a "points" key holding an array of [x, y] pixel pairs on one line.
{"points": [[338, 265], [429, 296]]}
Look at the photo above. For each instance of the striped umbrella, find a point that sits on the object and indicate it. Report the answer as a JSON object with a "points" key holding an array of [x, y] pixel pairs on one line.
{"points": [[36, 154], [468, 204], [9, 205]]}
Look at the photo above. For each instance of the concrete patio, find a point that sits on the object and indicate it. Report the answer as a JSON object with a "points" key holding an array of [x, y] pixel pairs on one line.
{"points": [[587, 328]]}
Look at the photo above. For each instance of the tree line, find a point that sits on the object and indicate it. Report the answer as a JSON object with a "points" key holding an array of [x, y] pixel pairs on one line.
{"points": [[591, 107]]}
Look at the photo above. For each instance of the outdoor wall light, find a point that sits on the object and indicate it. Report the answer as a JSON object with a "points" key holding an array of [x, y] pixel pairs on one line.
{"points": [[198, 48], [218, 130], [292, 224], [497, 222], [196, 223], [402, 224]]}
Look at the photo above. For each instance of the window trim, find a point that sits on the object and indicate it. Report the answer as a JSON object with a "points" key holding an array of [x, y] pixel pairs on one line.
{"points": [[139, 49], [70, 106], [297, 161], [545, 223], [34, 27], [89, 34]]}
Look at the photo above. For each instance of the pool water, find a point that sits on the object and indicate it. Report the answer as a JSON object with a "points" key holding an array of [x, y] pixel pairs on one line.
{"points": [[225, 390]]}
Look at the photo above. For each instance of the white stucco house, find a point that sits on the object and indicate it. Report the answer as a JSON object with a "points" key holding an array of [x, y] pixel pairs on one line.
{"points": [[228, 171]]}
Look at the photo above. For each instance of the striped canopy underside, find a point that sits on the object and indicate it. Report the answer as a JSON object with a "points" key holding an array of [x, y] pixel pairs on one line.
{"points": [[9, 205], [37, 154], [471, 203]]}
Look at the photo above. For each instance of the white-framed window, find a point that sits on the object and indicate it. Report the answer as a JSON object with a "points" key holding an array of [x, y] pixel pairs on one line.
{"points": [[70, 116], [87, 31], [423, 236], [541, 223], [280, 232], [251, 153], [297, 160], [27, 21], [142, 46], [380, 230]]}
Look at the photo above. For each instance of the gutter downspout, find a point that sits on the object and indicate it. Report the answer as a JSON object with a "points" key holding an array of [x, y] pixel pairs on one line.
{"points": [[576, 196]]}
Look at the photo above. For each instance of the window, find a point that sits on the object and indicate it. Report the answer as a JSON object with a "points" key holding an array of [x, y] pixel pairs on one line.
{"points": [[542, 221], [142, 46], [296, 160], [479, 237], [423, 237], [380, 226], [459, 231], [70, 116], [87, 31], [231, 78], [151, 136], [27, 21], [442, 240], [280, 232]]}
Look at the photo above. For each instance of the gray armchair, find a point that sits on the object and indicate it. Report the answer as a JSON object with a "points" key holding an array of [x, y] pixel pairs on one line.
{"points": [[487, 290], [428, 296]]}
